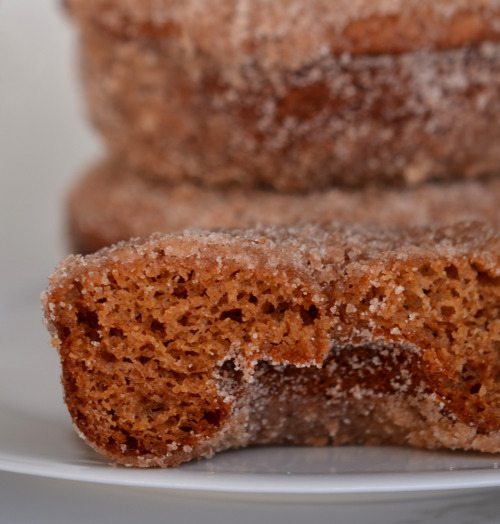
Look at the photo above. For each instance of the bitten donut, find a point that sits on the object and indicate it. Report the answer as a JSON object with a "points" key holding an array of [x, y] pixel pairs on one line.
{"points": [[111, 203], [295, 94], [189, 344]]}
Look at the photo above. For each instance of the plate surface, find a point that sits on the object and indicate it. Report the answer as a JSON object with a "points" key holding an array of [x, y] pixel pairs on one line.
{"points": [[36, 437]]}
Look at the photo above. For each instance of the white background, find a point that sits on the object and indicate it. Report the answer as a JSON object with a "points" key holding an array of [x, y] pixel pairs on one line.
{"points": [[44, 139]]}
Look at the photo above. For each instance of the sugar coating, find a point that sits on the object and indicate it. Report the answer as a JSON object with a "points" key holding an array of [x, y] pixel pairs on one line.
{"points": [[278, 34], [111, 203], [178, 110], [188, 344]]}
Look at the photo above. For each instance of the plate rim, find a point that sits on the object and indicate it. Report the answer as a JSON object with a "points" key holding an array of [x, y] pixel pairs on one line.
{"points": [[261, 484]]}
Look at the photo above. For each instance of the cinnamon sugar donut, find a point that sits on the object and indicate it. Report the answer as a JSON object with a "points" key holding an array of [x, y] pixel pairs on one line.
{"points": [[295, 94], [190, 344], [112, 203]]}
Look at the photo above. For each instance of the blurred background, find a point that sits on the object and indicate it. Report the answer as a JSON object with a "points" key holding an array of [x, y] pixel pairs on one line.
{"points": [[44, 138]]}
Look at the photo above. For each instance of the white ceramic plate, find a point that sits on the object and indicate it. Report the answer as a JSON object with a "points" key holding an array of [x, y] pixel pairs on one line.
{"points": [[36, 437]]}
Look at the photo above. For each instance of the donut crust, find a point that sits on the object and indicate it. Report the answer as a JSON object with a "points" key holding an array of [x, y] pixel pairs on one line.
{"points": [[278, 32], [111, 203], [353, 120]]}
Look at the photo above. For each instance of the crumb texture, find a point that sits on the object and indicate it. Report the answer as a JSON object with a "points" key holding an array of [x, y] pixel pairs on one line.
{"points": [[188, 344], [112, 203]]}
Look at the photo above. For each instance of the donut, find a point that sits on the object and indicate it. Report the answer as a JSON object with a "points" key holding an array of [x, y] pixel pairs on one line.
{"points": [[111, 203], [184, 345], [295, 95]]}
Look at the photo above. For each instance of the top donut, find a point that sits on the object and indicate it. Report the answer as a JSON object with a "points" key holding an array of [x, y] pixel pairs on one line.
{"points": [[295, 95]]}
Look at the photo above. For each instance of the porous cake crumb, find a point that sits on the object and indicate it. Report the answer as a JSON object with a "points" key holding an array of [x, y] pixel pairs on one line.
{"points": [[184, 345]]}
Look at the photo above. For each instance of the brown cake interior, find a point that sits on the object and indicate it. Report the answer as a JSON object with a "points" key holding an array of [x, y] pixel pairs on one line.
{"points": [[191, 344]]}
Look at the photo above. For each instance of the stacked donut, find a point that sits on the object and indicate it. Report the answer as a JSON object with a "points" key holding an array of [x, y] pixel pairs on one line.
{"points": [[346, 153], [241, 102]]}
